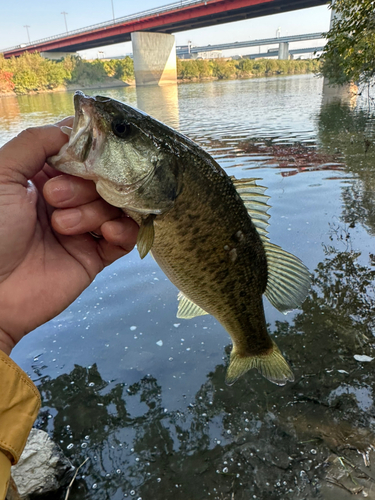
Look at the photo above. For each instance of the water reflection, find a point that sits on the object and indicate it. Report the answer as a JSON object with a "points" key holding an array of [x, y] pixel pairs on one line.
{"points": [[9, 111], [350, 133], [18, 113], [252, 440], [161, 102], [58, 104], [337, 94]]}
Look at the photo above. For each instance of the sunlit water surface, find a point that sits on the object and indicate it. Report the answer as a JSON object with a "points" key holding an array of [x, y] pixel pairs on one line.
{"points": [[142, 393]]}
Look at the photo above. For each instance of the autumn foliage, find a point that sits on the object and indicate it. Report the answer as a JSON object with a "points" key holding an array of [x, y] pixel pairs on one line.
{"points": [[6, 81]]}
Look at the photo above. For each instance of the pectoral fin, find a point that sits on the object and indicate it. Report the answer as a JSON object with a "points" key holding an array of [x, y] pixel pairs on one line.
{"points": [[272, 365], [187, 309], [146, 236]]}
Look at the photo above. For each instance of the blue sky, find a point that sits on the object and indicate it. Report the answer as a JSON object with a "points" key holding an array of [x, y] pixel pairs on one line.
{"points": [[45, 19]]}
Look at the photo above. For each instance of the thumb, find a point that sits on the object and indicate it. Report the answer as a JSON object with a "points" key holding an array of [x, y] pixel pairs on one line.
{"points": [[25, 155]]}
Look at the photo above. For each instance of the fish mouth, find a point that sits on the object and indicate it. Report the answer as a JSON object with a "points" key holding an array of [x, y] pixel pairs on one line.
{"points": [[81, 124], [76, 150], [81, 137]]}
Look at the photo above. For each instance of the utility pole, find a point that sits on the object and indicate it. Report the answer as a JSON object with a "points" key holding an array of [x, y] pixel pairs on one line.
{"points": [[113, 10], [27, 29], [65, 14]]}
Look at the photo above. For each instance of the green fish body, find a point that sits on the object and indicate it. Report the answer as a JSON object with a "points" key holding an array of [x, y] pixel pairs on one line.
{"points": [[206, 230]]}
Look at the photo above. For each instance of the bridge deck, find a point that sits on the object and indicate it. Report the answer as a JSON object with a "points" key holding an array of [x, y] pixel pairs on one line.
{"points": [[172, 18]]}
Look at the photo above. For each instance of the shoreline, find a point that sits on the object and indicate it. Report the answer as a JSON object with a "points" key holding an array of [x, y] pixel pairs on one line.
{"points": [[113, 83], [71, 87]]}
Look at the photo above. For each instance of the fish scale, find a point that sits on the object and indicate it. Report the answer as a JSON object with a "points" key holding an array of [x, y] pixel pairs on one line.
{"points": [[200, 265]]}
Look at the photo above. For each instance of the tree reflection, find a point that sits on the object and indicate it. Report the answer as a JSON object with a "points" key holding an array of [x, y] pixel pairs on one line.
{"points": [[234, 442], [350, 133]]}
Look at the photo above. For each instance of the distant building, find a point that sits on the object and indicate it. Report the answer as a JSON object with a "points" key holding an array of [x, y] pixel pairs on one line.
{"points": [[184, 52], [210, 54]]}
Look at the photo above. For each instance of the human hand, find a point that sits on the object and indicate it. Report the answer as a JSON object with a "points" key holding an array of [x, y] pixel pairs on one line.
{"points": [[47, 256]]}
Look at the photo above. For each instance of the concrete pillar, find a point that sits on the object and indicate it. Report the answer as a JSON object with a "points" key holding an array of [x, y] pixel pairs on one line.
{"points": [[334, 15], [347, 92], [154, 57], [57, 56], [284, 50]]}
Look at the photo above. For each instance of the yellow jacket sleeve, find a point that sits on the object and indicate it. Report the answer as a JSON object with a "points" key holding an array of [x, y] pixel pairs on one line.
{"points": [[19, 406]]}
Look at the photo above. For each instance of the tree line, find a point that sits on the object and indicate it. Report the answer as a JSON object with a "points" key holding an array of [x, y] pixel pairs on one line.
{"points": [[32, 73]]}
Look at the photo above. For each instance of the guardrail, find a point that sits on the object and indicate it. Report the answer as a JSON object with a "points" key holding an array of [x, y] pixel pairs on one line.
{"points": [[132, 17]]}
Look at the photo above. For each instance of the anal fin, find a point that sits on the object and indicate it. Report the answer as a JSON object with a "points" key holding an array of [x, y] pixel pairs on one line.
{"points": [[187, 309], [272, 366]]}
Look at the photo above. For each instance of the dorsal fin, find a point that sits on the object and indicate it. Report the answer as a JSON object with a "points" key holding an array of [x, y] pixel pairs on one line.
{"points": [[255, 202], [187, 309], [288, 278]]}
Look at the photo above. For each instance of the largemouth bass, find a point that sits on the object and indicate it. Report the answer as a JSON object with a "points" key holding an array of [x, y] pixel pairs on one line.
{"points": [[206, 230]]}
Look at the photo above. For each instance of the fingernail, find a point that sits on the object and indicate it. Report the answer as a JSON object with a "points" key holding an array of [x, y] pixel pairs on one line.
{"points": [[60, 189], [69, 218]]}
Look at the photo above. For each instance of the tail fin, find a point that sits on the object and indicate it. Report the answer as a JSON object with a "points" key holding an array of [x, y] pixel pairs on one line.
{"points": [[273, 366]]}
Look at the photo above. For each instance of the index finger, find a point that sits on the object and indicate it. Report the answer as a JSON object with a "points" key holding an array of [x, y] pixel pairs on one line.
{"points": [[25, 155]]}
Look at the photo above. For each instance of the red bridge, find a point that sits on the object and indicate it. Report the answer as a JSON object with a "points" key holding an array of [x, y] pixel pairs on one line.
{"points": [[179, 16]]}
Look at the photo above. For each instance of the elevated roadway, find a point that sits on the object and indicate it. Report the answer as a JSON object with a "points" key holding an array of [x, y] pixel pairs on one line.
{"points": [[181, 50], [256, 43], [293, 52]]}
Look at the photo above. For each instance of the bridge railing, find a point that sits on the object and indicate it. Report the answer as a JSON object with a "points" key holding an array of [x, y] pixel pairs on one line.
{"points": [[132, 17]]}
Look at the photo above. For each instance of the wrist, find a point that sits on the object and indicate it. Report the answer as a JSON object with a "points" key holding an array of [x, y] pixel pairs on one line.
{"points": [[6, 342]]}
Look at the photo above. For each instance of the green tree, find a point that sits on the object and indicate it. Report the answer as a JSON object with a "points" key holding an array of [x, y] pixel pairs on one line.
{"points": [[187, 69], [124, 69], [204, 68], [110, 67], [223, 69], [259, 67], [88, 72], [33, 73], [350, 52], [271, 66], [245, 67]]}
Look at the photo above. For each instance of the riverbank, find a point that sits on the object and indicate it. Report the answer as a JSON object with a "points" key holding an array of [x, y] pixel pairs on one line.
{"points": [[32, 74]]}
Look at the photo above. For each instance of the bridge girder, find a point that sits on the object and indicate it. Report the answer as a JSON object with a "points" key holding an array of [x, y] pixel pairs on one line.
{"points": [[193, 16]]}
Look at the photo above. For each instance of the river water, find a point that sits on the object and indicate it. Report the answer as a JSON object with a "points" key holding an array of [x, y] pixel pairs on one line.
{"points": [[142, 393]]}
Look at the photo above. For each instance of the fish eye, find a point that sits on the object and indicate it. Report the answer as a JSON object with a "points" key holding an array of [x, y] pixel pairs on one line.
{"points": [[121, 129]]}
